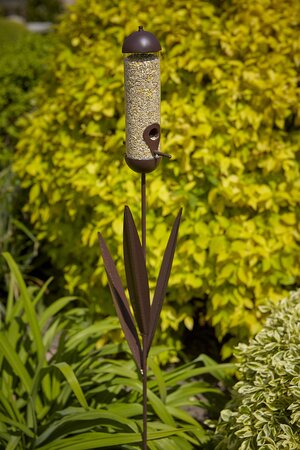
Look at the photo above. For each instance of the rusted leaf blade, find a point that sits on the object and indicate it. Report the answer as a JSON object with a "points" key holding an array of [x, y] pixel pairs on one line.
{"points": [[121, 303], [136, 273], [162, 281]]}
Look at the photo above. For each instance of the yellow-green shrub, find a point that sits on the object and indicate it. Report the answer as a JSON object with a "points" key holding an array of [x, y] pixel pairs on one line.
{"points": [[21, 66], [230, 118]]}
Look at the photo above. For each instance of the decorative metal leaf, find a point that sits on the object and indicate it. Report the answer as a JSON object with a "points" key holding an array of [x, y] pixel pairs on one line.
{"points": [[162, 281], [121, 303], [136, 273]]}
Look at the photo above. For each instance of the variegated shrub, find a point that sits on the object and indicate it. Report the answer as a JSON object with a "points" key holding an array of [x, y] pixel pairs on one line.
{"points": [[265, 410]]}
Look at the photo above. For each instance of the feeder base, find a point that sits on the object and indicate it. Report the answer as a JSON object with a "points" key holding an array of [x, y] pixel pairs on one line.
{"points": [[142, 165]]}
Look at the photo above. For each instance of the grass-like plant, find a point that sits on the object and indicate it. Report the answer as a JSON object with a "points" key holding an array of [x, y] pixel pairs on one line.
{"points": [[265, 410], [60, 390]]}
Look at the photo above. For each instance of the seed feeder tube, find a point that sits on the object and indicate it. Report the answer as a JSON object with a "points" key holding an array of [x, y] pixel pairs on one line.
{"points": [[142, 100]]}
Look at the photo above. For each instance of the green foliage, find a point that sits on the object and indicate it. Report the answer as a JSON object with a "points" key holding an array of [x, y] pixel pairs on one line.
{"points": [[265, 410], [10, 32], [230, 118], [21, 66], [62, 388], [43, 10]]}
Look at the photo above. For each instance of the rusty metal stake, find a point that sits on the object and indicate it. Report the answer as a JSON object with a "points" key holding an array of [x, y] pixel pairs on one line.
{"points": [[145, 398], [144, 207], [143, 155], [144, 337]]}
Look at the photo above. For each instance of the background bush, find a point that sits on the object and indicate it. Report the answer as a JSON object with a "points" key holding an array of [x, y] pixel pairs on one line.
{"points": [[230, 118], [43, 10], [21, 66], [265, 409]]}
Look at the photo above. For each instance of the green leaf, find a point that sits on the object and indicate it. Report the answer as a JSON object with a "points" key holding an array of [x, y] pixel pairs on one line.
{"points": [[10, 302], [97, 329], [159, 378], [184, 373], [18, 425], [70, 376], [53, 309], [90, 441], [157, 405], [15, 362], [8, 406], [184, 393], [77, 420], [42, 291], [215, 369], [28, 307], [13, 443]]}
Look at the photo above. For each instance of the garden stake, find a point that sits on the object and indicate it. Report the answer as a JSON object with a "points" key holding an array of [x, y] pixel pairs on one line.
{"points": [[143, 209], [142, 104]]}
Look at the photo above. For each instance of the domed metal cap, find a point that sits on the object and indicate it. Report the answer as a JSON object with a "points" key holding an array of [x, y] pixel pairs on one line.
{"points": [[141, 42]]}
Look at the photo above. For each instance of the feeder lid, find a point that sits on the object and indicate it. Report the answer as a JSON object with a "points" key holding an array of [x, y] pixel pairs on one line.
{"points": [[141, 42]]}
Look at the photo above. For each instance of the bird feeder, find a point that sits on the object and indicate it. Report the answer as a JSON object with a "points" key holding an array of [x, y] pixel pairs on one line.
{"points": [[142, 100], [142, 104]]}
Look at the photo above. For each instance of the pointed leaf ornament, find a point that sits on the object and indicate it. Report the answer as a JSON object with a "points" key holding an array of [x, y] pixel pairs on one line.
{"points": [[146, 316], [136, 273], [162, 281], [121, 303]]}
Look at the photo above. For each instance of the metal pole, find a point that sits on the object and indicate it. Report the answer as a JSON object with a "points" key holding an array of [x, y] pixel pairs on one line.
{"points": [[143, 195], [144, 374], [144, 338]]}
